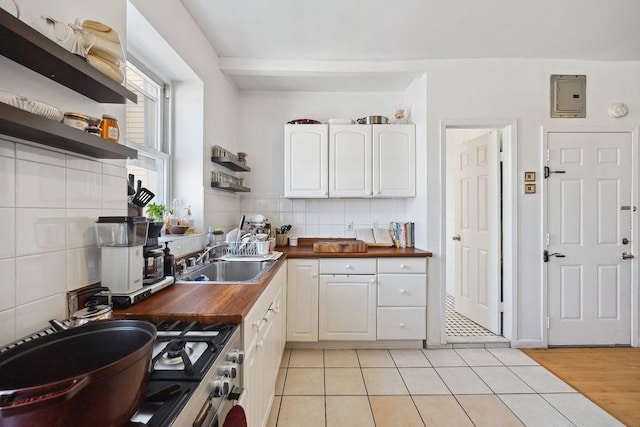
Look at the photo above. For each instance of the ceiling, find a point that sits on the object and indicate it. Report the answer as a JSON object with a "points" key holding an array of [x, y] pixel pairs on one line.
{"points": [[311, 44]]}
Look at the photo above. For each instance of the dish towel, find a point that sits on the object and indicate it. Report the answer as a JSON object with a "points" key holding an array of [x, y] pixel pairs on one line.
{"points": [[236, 417]]}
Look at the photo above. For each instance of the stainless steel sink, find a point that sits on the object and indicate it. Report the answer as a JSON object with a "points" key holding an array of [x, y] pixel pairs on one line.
{"points": [[226, 272]]}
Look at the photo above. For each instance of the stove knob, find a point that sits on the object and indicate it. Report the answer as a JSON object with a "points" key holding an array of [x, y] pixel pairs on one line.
{"points": [[236, 355], [230, 370], [222, 386]]}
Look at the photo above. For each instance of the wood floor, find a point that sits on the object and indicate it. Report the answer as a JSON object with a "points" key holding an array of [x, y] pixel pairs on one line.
{"points": [[610, 377]]}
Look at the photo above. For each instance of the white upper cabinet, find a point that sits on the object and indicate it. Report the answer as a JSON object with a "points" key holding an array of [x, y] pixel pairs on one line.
{"points": [[394, 160], [350, 161], [306, 161]]}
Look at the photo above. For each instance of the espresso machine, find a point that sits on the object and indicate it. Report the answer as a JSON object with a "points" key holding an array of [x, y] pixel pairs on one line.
{"points": [[126, 254]]}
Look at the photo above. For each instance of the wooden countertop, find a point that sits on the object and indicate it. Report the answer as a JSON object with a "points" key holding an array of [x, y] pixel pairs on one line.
{"points": [[305, 250], [205, 303], [231, 303]]}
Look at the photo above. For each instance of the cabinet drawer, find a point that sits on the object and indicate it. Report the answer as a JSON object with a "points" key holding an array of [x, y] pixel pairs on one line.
{"points": [[402, 265], [402, 323], [347, 266], [407, 290]]}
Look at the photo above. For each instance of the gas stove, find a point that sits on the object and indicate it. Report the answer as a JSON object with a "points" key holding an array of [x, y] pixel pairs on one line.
{"points": [[196, 370]]}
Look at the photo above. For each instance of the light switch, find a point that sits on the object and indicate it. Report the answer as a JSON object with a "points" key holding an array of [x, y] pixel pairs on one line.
{"points": [[529, 189], [568, 96]]}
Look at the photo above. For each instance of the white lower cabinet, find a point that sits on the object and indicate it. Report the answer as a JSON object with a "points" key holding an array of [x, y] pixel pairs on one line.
{"points": [[347, 308], [263, 340], [357, 299], [402, 299], [302, 300]]}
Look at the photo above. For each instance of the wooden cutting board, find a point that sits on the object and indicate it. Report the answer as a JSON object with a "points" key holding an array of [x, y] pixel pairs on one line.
{"points": [[340, 246]]}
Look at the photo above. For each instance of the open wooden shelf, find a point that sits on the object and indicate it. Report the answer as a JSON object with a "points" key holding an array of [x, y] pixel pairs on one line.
{"points": [[34, 50], [230, 187], [231, 164], [25, 125]]}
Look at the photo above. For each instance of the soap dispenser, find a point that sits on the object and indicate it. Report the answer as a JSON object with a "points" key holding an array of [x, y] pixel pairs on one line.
{"points": [[169, 262]]}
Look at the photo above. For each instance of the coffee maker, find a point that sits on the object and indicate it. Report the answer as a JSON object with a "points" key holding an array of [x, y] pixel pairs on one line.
{"points": [[126, 250], [153, 267]]}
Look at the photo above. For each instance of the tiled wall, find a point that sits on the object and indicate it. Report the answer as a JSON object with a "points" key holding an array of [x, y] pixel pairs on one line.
{"points": [[49, 203], [325, 217]]}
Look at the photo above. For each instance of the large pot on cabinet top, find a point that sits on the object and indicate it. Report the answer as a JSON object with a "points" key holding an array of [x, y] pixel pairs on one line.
{"points": [[95, 374]]}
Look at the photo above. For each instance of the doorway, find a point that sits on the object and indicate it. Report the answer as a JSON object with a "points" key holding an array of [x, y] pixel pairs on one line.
{"points": [[478, 293]]}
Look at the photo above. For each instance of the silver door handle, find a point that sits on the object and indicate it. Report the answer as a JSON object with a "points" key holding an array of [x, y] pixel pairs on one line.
{"points": [[455, 237], [625, 255]]}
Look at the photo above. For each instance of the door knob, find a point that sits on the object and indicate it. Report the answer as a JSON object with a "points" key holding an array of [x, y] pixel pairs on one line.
{"points": [[625, 241], [455, 237], [625, 255]]}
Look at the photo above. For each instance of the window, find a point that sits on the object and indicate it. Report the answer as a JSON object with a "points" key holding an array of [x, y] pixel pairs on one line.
{"points": [[146, 130]]}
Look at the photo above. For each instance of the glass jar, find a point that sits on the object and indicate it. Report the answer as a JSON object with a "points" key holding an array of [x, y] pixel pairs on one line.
{"points": [[109, 128]]}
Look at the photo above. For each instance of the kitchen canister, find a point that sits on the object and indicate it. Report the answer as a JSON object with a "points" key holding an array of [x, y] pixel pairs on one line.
{"points": [[109, 127]]}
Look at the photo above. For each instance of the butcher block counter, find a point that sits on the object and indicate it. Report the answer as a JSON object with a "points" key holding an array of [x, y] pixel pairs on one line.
{"points": [[231, 303]]}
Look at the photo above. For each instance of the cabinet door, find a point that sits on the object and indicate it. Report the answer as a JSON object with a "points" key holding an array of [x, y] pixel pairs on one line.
{"points": [[251, 380], [347, 308], [394, 161], [306, 154], [350, 161], [302, 300]]}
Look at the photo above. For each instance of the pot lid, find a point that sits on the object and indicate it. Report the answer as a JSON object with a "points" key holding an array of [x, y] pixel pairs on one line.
{"points": [[92, 311]]}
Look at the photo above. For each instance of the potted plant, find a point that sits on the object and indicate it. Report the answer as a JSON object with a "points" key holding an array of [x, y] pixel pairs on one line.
{"points": [[156, 211]]}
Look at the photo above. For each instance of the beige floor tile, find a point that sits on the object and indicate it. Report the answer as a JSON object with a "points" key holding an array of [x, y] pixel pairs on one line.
{"points": [[512, 356], [580, 410], [282, 373], [395, 411], [502, 380], [478, 357], [349, 411], [273, 415], [462, 380], [375, 359], [541, 380], [341, 359], [423, 381], [302, 411], [488, 411], [533, 410], [380, 381], [344, 381], [306, 359], [444, 357], [441, 411], [285, 358], [304, 381], [412, 358]]}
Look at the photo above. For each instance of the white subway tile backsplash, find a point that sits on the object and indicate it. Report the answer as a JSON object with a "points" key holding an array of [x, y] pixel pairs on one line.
{"points": [[246, 204], [115, 167], [7, 182], [286, 205], [299, 205], [40, 155], [36, 315], [81, 230], [357, 205], [84, 189], [83, 267], [8, 232], [7, 284], [39, 185], [114, 192], [7, 148], [40, 276], [259, 204], [87, 165], [7, 326], [39, 230], [312, 206], [383, 205], [273, 205]]}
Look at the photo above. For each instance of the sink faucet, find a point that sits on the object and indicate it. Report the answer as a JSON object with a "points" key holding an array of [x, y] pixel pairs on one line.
{"points": [[205, 254]]}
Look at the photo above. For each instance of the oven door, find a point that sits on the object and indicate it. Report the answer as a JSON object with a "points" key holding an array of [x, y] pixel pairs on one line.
{"points": [[224, 417]]}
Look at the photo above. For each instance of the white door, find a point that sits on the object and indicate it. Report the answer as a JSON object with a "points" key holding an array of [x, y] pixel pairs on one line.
{"points": [[588, 220], [477, 225], [350, 161]]}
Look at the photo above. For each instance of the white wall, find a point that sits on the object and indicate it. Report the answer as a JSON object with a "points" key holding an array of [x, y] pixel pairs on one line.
{"points": [[49, 200], [485, 89]]}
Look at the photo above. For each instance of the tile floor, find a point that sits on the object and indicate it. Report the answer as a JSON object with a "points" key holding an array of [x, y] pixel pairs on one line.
{"points": [[443, 387], [458, 325]]}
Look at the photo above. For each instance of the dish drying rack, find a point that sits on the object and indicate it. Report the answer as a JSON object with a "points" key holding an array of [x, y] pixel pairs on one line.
{"points": [[251, 249]]}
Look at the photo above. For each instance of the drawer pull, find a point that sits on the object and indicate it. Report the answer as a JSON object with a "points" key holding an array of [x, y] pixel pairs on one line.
{"points": [[402, 291], [403, 266], [402, 325], [348, 266]]}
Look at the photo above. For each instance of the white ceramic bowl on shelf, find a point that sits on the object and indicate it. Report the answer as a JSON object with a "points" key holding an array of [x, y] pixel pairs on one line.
{"points": [[36, 107]]}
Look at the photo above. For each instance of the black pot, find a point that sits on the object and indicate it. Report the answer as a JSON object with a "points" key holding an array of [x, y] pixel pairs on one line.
{"points": [[91, 375]]}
